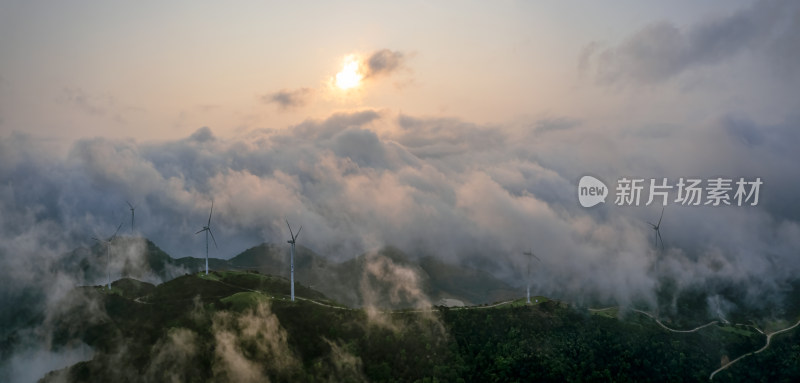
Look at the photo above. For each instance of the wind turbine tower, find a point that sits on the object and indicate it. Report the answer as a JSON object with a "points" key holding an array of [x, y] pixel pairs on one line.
{"points": [[207, 229], [291, 260], [108, 253], [133, 210], [657, 228], [530, 254]]}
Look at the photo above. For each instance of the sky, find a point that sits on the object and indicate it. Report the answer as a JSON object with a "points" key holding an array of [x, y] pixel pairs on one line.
{"points": [[464, 136]]}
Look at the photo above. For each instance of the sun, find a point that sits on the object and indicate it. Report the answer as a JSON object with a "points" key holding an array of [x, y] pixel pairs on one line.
{"points": [[349, 77]]}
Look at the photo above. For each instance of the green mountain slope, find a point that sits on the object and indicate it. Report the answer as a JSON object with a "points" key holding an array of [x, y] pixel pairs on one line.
{"points": [[347, 281], [239, 326], [133, 257], [139, 258]]}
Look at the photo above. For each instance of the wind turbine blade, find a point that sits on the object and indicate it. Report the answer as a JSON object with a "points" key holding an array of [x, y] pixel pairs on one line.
{"points": [[202, 230], [210, 212], [651, 224], [290, 228], [129, 204], [537, 258], [661, 239], [662, 216], [118, 227], [298, 233], [212, 238]]}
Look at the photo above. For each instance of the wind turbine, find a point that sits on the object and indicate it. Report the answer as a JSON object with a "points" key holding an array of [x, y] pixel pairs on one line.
{"points": [[108, 253], [133, 209], [207, 229], [657, 228], [292, 241], [530, 253]]}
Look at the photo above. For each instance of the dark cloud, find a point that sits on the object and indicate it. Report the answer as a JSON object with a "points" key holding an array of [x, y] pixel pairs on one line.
{"points": [[203, 134], [361, 146], [555, 124], [444, 137], [746, 131], [325, 129], [662, 50], [288, 99], [384, 62]]}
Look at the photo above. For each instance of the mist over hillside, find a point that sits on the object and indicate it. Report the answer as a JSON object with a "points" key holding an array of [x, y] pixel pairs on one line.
{"points": [[54, 334], [241, 326]]}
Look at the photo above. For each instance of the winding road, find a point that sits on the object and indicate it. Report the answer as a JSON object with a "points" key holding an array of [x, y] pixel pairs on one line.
{"points": [[711, 377], [671, 329], [603, 309], [323, 304], [769, 339], [658, 321]]}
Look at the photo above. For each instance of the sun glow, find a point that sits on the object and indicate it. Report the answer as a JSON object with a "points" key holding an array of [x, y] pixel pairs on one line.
{"points": [[349, 77]]}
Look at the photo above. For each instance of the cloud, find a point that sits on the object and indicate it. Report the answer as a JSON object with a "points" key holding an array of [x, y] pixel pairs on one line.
{"points": [[346, 366], [50, 343], [96, 105], [662, 50], [172, 355], [251, 347], [30, 365], [335, 124], [202, 135], [289, 99], [555, 124], [402, 284], [383, 63], [376, 65], [474, 194]]}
